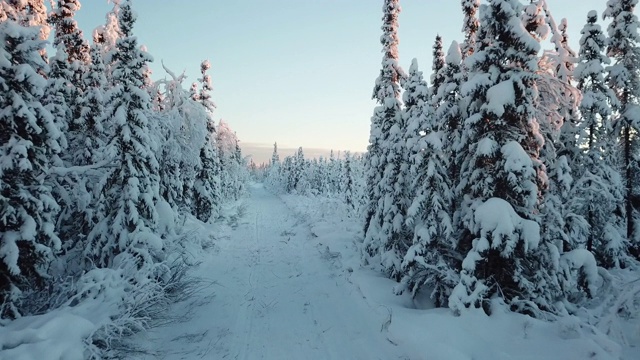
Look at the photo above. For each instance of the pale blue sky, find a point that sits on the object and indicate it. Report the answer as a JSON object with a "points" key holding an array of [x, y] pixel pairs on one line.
{"points": [[299, 72]]}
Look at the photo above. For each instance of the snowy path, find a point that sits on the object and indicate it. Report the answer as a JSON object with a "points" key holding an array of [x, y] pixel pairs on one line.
{"points": [[276, 296]]}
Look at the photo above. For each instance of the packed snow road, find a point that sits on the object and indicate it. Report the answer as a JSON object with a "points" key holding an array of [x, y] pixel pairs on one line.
{"points": [[276, 295]]}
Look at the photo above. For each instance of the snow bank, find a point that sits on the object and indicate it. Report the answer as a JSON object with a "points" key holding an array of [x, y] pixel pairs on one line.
{"points": [[59, 334]]}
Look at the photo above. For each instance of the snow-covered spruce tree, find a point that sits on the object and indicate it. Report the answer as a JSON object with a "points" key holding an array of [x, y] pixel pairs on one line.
{"points": [[58, 94], [130, 187], [600, 185], [207, 185], [106, 35], [69, 37], [28, 13], [298, 181], [501, 176], [624, 79], [347, 183], [273, 177], [204, 96], [429, 261], [207, 192], [67, 32], [332, 171], [80, 211], [386, 92], [234, 173], [438, 65], [28, 140], [449, 112], [470, 26], [95, 83], [386, 233], [416, 114], [275, 157]]}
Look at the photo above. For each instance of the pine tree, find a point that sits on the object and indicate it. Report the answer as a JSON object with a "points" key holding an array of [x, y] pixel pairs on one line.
{"points": [[59, 94], [95, 83], [28, 140], [624, 80], [438, 65], [417, 112], [387, 235], [130, 187], [600, 181], [204, 95], [347, 184], [28, 13], [67, 32], [470, 26], [207, 185], [428, 261], [501, 175], [275, 158], [450, 113], [70, 37], [386, 93]]}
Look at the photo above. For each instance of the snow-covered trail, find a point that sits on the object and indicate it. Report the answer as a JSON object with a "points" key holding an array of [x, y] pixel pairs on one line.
{"points": [[277, 295]]}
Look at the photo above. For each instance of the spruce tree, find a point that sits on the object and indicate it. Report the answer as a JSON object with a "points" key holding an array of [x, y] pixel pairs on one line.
{"points": [[28, 140], [95, 83], [130, 187], [417, 112], [206, 87], [470, 26], [69, 36], [207, 186], [600, 182], [438, 65], [624, 79], [502, 177], [387, 236], [386, 93], [67, 32], [428, 261], [275, 157]]}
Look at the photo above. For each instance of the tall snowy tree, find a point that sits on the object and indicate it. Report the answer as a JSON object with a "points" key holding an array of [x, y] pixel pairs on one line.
{"points": [[69, 37], [28, 140], [438, 65], [624, 80], [207, 186], [275, 158], [600, 183], [67, 32], [130, 187], [387, 235], [95, 83], [417, 112], [470, 26], [428, 261], [28, 13], [502, 177], [206, 87], [386, 93]]}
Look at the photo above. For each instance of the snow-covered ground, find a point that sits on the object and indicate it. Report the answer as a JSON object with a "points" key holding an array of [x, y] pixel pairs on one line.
{"points": [[285, 283]]}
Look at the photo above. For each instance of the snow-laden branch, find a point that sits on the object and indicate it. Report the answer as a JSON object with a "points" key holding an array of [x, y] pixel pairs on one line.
{"points": [[62, 171]]}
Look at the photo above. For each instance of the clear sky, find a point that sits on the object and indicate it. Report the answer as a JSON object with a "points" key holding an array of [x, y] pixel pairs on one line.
{"points": [[299, 72]]}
